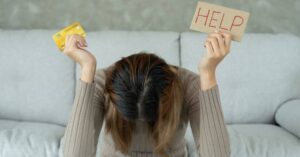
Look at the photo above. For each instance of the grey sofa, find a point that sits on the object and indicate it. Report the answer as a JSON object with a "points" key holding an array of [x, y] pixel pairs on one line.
{"points": [[259, 84]]}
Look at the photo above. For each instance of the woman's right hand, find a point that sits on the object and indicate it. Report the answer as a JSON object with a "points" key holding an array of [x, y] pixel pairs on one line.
{"points": [[74, 48]]}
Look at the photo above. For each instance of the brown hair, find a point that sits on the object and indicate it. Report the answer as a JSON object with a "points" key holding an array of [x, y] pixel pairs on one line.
{"points": [[143, 86]]}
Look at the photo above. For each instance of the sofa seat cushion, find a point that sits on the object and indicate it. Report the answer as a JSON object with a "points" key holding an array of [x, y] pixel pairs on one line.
{"points": [[259, 140], [287, 116], [256, 140], [29, 139]]}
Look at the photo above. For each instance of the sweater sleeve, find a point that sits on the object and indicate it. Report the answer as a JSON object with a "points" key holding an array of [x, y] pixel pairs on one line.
{"points": [[85, 122], [207, 123]]}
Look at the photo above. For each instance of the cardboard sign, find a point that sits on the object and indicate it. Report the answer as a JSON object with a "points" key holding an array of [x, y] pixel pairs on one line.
{"points": [[209, 17]]}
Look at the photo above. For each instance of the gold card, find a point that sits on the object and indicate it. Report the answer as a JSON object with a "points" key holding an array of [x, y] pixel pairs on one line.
{"points": [[59, 37]]}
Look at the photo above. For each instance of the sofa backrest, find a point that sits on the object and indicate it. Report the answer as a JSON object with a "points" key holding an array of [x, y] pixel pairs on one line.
{"points": [[256, 77], [37, 81]]}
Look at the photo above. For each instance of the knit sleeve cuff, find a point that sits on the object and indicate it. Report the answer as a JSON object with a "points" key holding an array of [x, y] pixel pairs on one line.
{"points": [[213, 90], [210, 96], [84, 92], [85, 85]]}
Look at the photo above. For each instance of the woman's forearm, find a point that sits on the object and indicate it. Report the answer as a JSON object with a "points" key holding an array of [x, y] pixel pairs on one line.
{"points": [[207, 80], [88, 73]]}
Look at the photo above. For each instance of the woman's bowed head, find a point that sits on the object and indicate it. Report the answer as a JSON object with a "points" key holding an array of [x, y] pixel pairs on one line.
{"points": [[144, 87]]}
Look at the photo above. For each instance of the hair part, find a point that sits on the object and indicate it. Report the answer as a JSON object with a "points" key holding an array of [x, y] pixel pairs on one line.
{"points": [[143, 86]]}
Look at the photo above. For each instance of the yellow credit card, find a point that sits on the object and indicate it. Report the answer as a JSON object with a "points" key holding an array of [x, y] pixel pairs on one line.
{"points": [[59, 37]]}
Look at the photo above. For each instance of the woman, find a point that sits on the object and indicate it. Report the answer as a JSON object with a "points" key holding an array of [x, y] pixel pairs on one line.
{"points": [[146, 105]]}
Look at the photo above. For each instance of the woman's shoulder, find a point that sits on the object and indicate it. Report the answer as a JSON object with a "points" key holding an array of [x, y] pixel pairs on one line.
{"points": [[188, 76], [100, 78], [101, 73], [191, 85]]}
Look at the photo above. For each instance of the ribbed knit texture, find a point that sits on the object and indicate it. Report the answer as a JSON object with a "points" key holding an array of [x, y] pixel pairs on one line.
{"points": [[204, 112]]}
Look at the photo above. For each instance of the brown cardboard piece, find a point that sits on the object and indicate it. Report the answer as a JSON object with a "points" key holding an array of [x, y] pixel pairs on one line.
{"points": [[209, 17]]}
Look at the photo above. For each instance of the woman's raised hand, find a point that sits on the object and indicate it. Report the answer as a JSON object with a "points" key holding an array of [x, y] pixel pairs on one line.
{"points": [[217, 47], [75, 49]]}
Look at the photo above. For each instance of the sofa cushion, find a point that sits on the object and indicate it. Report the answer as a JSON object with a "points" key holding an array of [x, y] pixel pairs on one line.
{"points": [[29, 139], [37, 81], [256, 140], [110, 46], [259, 74], [288, 116], [262, 140]]}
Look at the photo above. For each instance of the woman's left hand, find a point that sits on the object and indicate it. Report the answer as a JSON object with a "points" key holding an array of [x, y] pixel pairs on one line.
{"points": [[217, 47]]}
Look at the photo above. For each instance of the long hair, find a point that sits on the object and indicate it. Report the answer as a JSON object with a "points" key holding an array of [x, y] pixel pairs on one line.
{"points": [[143, 86]]}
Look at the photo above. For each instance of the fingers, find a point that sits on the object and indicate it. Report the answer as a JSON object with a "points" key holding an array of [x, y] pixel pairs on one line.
{"points": [[209, 48], [75, 40], [220, 42], [228, 37], [82, 41], [215, 46]]}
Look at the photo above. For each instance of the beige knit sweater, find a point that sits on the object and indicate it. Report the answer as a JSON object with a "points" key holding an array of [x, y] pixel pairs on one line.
{"points": [[204, 113]]}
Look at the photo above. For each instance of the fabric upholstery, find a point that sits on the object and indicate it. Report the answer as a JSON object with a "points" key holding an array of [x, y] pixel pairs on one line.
{"points": [[29, 139], [258, 74], [37, 81], [288, 116], [256, 140]]}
